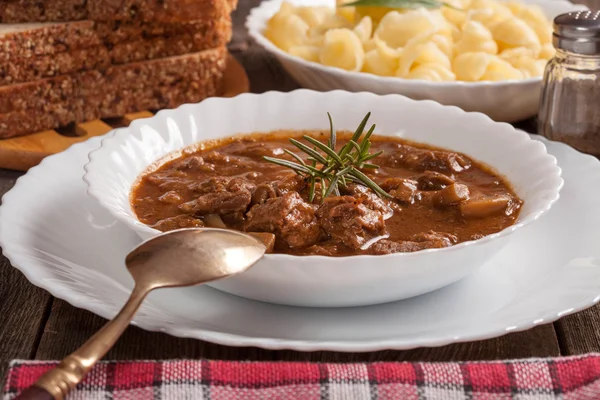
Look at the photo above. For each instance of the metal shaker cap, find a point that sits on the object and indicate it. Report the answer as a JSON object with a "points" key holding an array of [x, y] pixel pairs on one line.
{"points": [[578, 32]]}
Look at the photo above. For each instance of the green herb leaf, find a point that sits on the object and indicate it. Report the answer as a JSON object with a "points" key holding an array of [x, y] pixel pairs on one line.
{"points": [[311, 193], [331, 153], [313, 153], [371, 156], [288, 164], [332, 133], [332, 186], [336, 168], [296, 156]]}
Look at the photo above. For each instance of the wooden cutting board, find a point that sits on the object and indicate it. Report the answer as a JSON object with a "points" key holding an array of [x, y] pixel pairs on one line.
{"points": [[24, 152]]}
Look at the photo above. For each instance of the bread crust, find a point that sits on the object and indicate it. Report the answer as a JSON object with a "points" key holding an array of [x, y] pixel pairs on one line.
{"points": [[156, 84], [197, 38], [24, 41], [16, 11]]}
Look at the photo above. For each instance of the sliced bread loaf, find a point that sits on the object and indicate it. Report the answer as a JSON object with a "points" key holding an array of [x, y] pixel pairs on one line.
{"points": [[199, 37], [14, 11], [162, 83], [27, 40]]}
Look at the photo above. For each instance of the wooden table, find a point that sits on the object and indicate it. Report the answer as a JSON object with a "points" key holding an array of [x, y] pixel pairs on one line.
{"points": [[34, 325]]}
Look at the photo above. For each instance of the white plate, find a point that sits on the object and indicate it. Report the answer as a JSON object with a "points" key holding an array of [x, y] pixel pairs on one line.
{"points": [[66, 243], [319, 281], [506, 101]]}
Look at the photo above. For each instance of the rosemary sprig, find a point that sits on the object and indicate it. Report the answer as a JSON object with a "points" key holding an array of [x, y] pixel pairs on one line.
{"points": [[334, 169], [398, 4]]}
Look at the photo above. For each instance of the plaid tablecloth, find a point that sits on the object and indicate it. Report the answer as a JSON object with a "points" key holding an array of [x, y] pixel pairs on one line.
{"points": [[575, 378]]}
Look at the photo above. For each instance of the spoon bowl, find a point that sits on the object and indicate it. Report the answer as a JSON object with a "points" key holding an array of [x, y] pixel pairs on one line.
{"points": [[192, 256]]}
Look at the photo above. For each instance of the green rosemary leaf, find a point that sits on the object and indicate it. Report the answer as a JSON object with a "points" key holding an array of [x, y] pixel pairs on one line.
{"points": [[359, 131], [324, 148], [356, 135], [342, 180], [288, 164], [365, 147], [316, 172], [336, 168], [313, 153], [370, 166], [332, 133], [296, 156], [368, 134], [355, 145], [344, 171], [332, 187], [368, 182], [311, 190], [372, 156]]}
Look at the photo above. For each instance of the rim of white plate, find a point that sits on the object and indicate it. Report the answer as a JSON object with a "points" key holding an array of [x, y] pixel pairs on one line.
{"points": [[17, 261]]}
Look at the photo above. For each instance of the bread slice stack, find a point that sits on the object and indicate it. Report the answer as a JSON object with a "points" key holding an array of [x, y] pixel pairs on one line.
{"points": [[65, 61]]}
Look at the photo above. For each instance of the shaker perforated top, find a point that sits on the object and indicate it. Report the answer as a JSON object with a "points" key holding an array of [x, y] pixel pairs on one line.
{"points": [[578, 32]]}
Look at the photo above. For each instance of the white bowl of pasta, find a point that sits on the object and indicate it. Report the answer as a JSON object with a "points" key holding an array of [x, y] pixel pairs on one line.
{"points": [[488, 58]]}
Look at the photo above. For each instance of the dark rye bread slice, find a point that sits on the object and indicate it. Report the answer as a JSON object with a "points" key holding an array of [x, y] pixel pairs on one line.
{"points": [[109, 105], [15, 11], [81, 89], [103, 56], [23, 41]]}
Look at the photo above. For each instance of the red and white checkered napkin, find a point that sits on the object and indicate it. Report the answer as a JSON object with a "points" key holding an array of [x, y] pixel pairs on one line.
{"points": [[560, 378]]}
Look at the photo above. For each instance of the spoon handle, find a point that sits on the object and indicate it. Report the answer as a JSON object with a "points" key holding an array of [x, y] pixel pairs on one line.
{"points": [[59, 381]]}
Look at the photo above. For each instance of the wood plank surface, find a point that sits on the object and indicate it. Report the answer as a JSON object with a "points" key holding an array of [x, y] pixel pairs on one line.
{"points": [[24, 308], [35, 326], [67, 328]]}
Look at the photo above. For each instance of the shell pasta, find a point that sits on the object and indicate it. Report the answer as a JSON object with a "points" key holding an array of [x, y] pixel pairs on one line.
{"points": [[474, 40]]}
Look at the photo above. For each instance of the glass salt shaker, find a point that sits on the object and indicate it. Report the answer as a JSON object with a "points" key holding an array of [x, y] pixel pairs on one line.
{"points": [[570, 101]]}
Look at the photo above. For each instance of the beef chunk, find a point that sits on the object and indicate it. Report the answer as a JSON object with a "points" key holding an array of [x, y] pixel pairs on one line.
{"points": [[270, 190], [171, 197], [263, 192], [178, 222], [385, 246], [222, 184], [217, 157], [194, 163], [368, 198], [167, 180], [418, 159], [258, 150], [325, 249], [401, 189], [220, 196], [417, 242], [431, 180], [435, 239], [289, 183], [289, 217], [349, 221]]}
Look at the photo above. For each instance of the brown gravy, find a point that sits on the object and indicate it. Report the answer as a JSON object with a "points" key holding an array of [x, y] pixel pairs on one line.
{"points": [[439, 197]]}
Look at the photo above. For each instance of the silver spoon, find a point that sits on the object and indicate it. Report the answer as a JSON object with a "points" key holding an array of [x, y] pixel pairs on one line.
{"points": [[185, 257]]}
